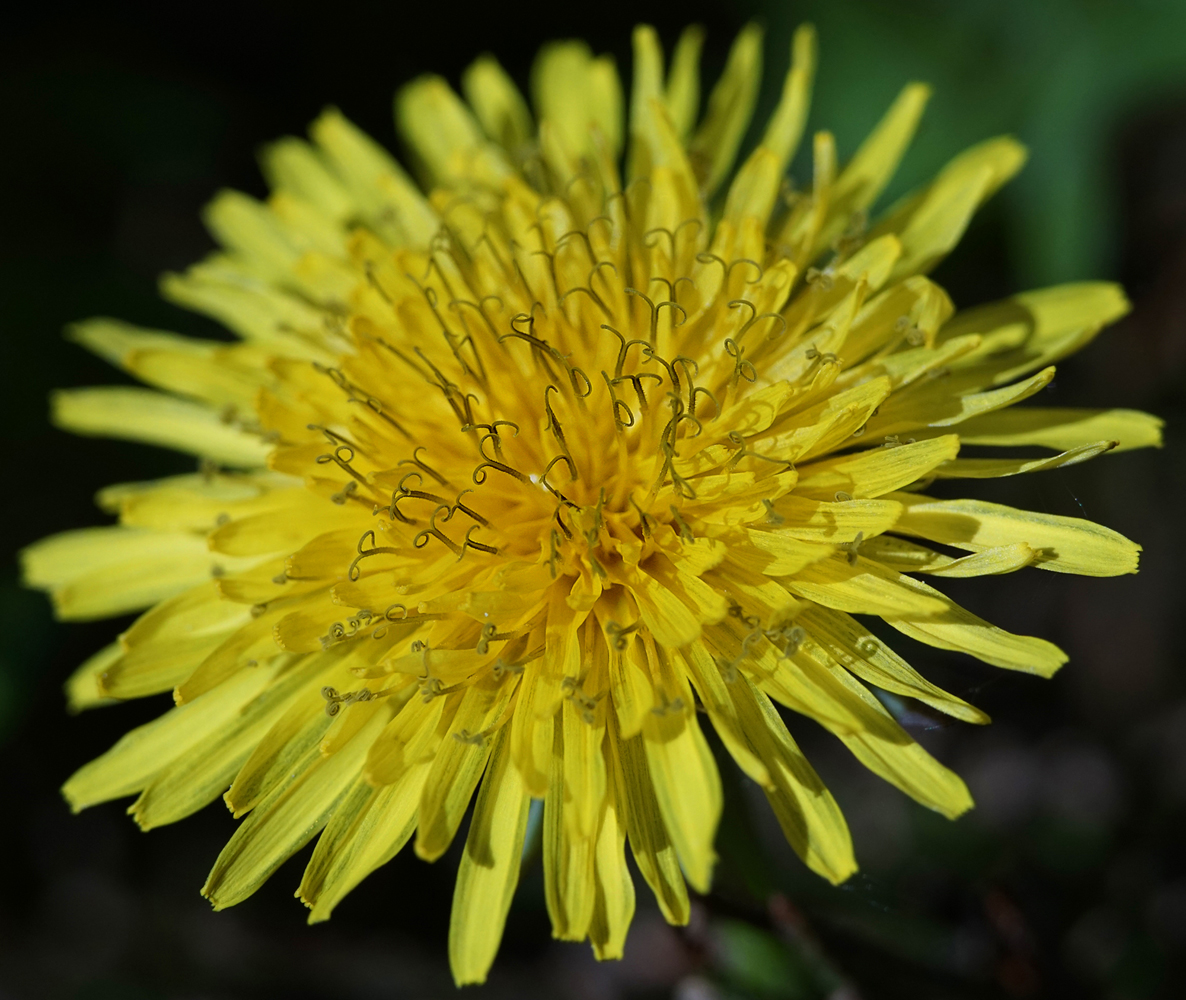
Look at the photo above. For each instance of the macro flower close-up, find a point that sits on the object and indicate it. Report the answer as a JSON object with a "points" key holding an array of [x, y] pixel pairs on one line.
{"points": [[575, 451]]}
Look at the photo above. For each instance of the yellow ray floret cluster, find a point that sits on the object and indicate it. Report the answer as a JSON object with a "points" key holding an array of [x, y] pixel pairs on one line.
{"points": [[516, 474]]}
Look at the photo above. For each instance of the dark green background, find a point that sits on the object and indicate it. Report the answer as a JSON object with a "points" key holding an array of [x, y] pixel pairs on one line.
{"points": [[1068, 879]]}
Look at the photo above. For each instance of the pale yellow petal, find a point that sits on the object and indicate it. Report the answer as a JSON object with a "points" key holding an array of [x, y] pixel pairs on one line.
{"points": [[714, 146], [246, 227], [458, 765], [286, 820], [992, 468], [861, 587], [683, 81], [99, 572], [909, 557], [182, 783], [570, 887], [155, 418], [294, 166], [876, 472], [497, 103], [441, 134], [852, 645], [1066, 544], [254, 309], [144, 752], [1033, 329], [82, 686], [785, 127], [930, 223], [1064, 428], [647, 85], [959, 630], [928, 404], [376, 182], [874, 163]]}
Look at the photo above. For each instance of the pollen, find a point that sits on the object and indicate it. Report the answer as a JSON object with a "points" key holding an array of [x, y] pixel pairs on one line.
{"points": [[524, 473]]}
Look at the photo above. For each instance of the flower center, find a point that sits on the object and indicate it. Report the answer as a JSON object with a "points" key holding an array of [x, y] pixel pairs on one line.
{"points": [[561, 416]]}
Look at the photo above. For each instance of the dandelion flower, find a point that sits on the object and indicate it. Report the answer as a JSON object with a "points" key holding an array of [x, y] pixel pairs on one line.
{"points": [[518, 473]]}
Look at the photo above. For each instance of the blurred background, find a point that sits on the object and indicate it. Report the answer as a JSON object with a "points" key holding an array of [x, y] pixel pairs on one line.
{"points": [[1067, 880]]}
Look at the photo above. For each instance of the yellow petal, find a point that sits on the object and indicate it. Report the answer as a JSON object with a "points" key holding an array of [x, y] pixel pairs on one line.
{"points": [[583, 765], [714, 146], [668, 619], [251, 307], [186, 782], [776, 552], [884, 747], [929, 404], [876, 472], [369, 827], [229, 378], [532, 729], [683, 81], [630, 686], [647, 85], [294, 166], [82, 686], [613, 908], [687, 786], [825, 425], [1032, 329], [247, 227], [857, 649], [754, 189], [714, 695], [649, 843], [802, 804], [157, 667], [244, 648], [992, 468], [863, 587], [99, 572], [930, 223], [286, 820], [286, 749], [570, 887], [1067, 544], [410, 739], [441, 134], [785, 127], [959, 630], [144, 752], [459, 763], [497, 103], [909, 557], [894, 756], [376, 182], [155, 418], [816, 521], [1064, 428], [488, 872], [572, 91], [874, 163], [114, 340]]}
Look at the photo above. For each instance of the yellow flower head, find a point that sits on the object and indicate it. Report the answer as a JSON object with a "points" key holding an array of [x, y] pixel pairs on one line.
{"points": [[516, 474]]}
